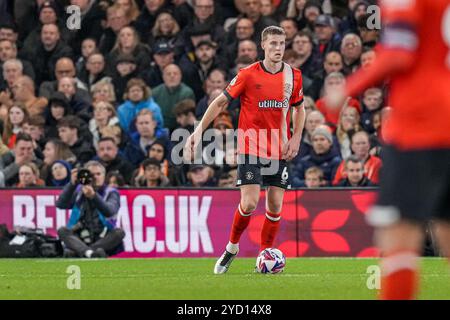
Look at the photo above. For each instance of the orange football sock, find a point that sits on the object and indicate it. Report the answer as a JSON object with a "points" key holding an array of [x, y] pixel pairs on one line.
{"points": [[240, 223], [269, 230], [399, 276]]}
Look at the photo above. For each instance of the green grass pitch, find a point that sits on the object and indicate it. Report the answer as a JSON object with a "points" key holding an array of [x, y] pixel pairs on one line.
{"points": [[304, 278]]}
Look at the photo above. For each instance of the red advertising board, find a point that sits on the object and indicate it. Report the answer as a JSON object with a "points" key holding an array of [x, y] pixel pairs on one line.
{"points": [[196, 223]]}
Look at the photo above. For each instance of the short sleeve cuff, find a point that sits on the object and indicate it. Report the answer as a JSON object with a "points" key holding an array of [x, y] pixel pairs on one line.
{"points": [[229, 97]]}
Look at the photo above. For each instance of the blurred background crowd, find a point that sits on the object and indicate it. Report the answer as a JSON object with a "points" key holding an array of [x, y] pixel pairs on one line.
{"points": [[117, 88]]}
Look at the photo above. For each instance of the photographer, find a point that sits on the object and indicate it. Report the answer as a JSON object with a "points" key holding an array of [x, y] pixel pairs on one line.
{"points": [[91, 231]]}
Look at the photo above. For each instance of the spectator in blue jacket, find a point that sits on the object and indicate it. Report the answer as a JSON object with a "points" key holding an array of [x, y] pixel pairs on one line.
{"points": [[145, 135], [91, 231], [323, 156], [137, 97]]}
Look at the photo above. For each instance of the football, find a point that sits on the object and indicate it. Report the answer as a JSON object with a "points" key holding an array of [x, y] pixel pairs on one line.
{"points": [[270, 260]]}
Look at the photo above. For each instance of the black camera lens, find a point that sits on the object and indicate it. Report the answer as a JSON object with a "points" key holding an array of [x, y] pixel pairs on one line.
{"points": [[84, 177]]}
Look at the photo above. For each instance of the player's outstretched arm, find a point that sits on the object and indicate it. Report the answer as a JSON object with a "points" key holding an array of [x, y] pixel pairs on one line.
{"points": [[218, 105]]}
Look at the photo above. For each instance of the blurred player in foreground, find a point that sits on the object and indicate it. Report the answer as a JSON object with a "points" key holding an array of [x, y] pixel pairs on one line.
{"points": [[415, 179], [268, 90]]}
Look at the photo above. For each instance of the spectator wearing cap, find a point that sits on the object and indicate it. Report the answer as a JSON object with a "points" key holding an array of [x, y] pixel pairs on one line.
{"points": [[69, 133], [92, 16], [59, 174], [184, 112], [323, 156], [116, 19], [200, 176], [351, 49], [128, 43], [206, 60], [24, 92], [354, 174], [325, 31], [360, 146], [108, 155], [172, 91], [48, 12], [65, 67], [45, 55], [126, 69], [150, 175], [313, 120], [10, 162], [146, 20], [58, 108], [8, 50], [163, 55], [138, 97]]}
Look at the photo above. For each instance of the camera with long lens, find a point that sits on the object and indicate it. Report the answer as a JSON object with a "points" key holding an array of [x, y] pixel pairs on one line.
{"points": [[85, 177]]}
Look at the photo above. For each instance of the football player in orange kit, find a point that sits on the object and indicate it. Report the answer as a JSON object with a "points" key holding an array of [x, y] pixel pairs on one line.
{"points": [[415, 180], [270, 90]]}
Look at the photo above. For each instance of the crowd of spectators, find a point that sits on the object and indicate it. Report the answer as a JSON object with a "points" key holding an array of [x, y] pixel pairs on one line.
{"points": [[117, 88]]}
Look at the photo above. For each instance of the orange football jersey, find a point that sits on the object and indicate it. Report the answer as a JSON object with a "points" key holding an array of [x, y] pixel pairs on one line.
{"points": [[417, 31], [266, 101]]}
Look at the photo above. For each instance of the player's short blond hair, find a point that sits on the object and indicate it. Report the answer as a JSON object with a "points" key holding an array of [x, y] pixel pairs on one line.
{"points": [[272, 30]]}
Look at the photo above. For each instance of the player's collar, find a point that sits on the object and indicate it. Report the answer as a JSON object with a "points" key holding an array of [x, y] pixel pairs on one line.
{"points": [[265, 70]]}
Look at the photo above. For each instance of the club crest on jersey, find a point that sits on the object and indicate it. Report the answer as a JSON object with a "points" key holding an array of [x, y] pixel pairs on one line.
{"points": [[273, 104]]}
